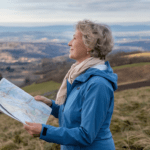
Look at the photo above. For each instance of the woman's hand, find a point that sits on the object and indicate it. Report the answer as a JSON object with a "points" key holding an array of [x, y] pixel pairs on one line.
{"points": [[33, 129], [43, 99]]}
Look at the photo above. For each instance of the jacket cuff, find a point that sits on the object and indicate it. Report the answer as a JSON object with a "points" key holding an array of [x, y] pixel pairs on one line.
{"points": [[46, 133], [55, 109], [53, 104], [43, 132]]}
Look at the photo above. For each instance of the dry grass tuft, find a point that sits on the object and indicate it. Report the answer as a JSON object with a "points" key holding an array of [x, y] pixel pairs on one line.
{"points": [[130, 124]]}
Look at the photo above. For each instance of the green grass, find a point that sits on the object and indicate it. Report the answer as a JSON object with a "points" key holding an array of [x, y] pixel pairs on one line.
{"points": [[41, 88], [131, 65]]}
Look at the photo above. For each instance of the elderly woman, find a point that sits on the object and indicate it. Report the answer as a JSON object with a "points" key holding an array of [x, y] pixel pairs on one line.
{"points": [[85, 100]]}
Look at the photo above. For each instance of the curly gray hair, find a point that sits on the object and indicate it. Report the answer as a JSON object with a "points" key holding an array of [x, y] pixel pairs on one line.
{"points": [[97, 37]]}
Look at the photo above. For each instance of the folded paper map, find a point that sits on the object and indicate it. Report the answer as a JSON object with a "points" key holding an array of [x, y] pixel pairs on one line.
{"points": [[20, 105]]}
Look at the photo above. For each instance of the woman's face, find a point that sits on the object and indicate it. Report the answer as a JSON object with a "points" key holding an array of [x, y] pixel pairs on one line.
{"points": [[78, 50]]}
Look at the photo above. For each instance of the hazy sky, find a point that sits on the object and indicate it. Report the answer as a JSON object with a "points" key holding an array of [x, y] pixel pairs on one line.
{"points": [[46, 12]]}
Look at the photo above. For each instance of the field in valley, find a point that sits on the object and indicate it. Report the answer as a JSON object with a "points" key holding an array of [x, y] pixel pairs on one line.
{"points": [[144, 54]]}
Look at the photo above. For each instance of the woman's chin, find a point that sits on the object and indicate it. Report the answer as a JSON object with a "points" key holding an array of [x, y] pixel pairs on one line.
{"points": [[70, 56]]}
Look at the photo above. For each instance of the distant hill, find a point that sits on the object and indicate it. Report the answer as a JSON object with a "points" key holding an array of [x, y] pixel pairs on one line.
{"points": [[129, 28], [145, 45], [65, 32], [31, 44], [26, 52], [56, 28], [130, 46], [12, 52]]}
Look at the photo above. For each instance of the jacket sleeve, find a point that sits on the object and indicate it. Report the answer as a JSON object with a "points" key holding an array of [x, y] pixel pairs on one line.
{"points": [[55, 109], [94, 109]]}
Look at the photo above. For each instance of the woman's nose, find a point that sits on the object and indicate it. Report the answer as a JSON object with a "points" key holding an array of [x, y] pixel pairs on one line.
{"points": [[70, 43]]}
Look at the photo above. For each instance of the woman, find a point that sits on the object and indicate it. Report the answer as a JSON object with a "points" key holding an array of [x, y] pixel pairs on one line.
{"points": [[85, 100]]}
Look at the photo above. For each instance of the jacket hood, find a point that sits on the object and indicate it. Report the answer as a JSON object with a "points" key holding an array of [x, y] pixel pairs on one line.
{"points": [[104, 71]]}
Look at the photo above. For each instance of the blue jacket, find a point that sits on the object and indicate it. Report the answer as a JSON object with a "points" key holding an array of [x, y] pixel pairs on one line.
{"points": [[85, 117]]}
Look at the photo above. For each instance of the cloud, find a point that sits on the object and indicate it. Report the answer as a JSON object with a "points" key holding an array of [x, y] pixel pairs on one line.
{"points": [[72, 11], [84, 5]]}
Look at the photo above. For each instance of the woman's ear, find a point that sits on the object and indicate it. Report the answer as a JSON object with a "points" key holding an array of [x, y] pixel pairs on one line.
{"points": [[89, 49]]}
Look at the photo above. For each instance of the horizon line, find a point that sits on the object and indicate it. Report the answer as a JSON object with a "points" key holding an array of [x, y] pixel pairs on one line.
{"points": [[44, 24]]}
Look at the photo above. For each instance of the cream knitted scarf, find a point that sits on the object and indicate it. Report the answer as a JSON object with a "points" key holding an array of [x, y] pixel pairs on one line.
{"points": [[75, 70]]}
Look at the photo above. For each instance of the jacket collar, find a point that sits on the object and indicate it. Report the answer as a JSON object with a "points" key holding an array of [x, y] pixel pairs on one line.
{"points": [[92, 71], [104, 71]]}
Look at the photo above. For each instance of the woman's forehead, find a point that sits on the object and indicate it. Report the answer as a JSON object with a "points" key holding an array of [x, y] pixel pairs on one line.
{"points": [[77, 33]]}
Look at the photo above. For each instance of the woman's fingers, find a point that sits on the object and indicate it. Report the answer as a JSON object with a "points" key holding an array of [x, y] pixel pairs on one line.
{"points": [[43, 99], [29, 123], [29, 128], [29, 132], [39, 98], [33, 128]]}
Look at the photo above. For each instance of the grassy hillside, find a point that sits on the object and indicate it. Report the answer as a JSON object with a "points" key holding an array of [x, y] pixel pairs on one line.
{"points": [[39, 89], [145, 54], [130, 124], [131, 65], [123, 58], [132, 72], [129, 69]]}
